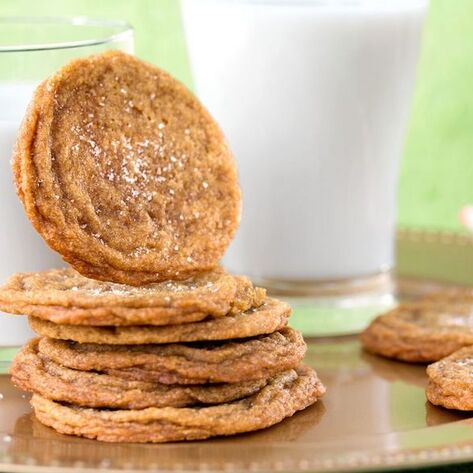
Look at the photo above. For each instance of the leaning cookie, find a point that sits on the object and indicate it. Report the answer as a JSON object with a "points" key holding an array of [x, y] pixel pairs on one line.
{"points": [[34, 373], [451, 381], [282, 397], [125, 174], [63, 296], [273, 315], [420, 332], [207, 362]]}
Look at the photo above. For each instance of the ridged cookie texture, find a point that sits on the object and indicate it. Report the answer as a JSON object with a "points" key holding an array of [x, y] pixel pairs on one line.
{"points": [[124, 173], [38, 374], [282, 397], [271, 316], [422, 331], [198, 363], [63, 296]]}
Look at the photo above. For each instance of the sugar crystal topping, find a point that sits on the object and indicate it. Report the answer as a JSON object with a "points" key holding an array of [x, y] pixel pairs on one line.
{"points": [[134, 175], [134, 172], [108, 288]]}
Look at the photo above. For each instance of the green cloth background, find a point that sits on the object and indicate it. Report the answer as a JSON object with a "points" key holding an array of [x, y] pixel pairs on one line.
{"points": [[437, 169]]}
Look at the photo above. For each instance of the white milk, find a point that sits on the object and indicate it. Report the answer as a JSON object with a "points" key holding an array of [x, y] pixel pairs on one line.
{"points": [[21, 248], [313, 97]]}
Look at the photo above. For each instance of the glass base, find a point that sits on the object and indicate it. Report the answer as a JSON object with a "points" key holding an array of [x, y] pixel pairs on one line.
{"points": [[334, 308], [381, 282]]}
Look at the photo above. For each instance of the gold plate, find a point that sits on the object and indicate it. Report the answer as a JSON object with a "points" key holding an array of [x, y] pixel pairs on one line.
{"points": [[374, 415]]}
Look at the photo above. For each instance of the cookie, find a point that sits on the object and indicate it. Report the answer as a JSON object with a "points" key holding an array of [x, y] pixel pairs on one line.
{"points": [[273, 315], [451, 381], [63, 296], [420, 332], [283, 396], [38, 374], [200, 363], [247, 296], [124, 173]]}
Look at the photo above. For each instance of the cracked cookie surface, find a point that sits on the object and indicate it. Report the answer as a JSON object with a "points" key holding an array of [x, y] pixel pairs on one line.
{"points": [[451, 381], [123, 172], [271, 316], [38, 374], [282, 397], [63, 296], [199, 363], [422, 331]]}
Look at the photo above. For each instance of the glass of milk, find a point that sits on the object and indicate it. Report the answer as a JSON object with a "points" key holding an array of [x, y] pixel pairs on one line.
{"points": [[30, 50], [314, 97]]}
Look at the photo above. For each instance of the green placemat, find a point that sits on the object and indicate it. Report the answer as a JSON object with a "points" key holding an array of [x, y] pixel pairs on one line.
{"points": [[327, 320], [6, 355]]}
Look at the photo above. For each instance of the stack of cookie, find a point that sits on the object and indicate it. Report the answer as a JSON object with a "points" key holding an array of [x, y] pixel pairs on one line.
{"points": [[212, 340], [145, 339], [437, 328]]}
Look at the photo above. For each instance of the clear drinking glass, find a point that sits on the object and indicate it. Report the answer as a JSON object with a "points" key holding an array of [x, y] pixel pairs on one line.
{"points": [[30, 50], [314, 97]]}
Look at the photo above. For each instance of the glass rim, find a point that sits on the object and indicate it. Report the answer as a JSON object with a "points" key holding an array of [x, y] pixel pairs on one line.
{"points": [[122, 28]]}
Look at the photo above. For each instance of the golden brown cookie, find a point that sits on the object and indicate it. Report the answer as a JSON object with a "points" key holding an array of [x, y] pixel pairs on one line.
{"points": [[247, 296], [421, 332], [273, 315], [125, 174], [451, 381], [38, 374], [63, 296], [283, 396], [198, 363]]}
